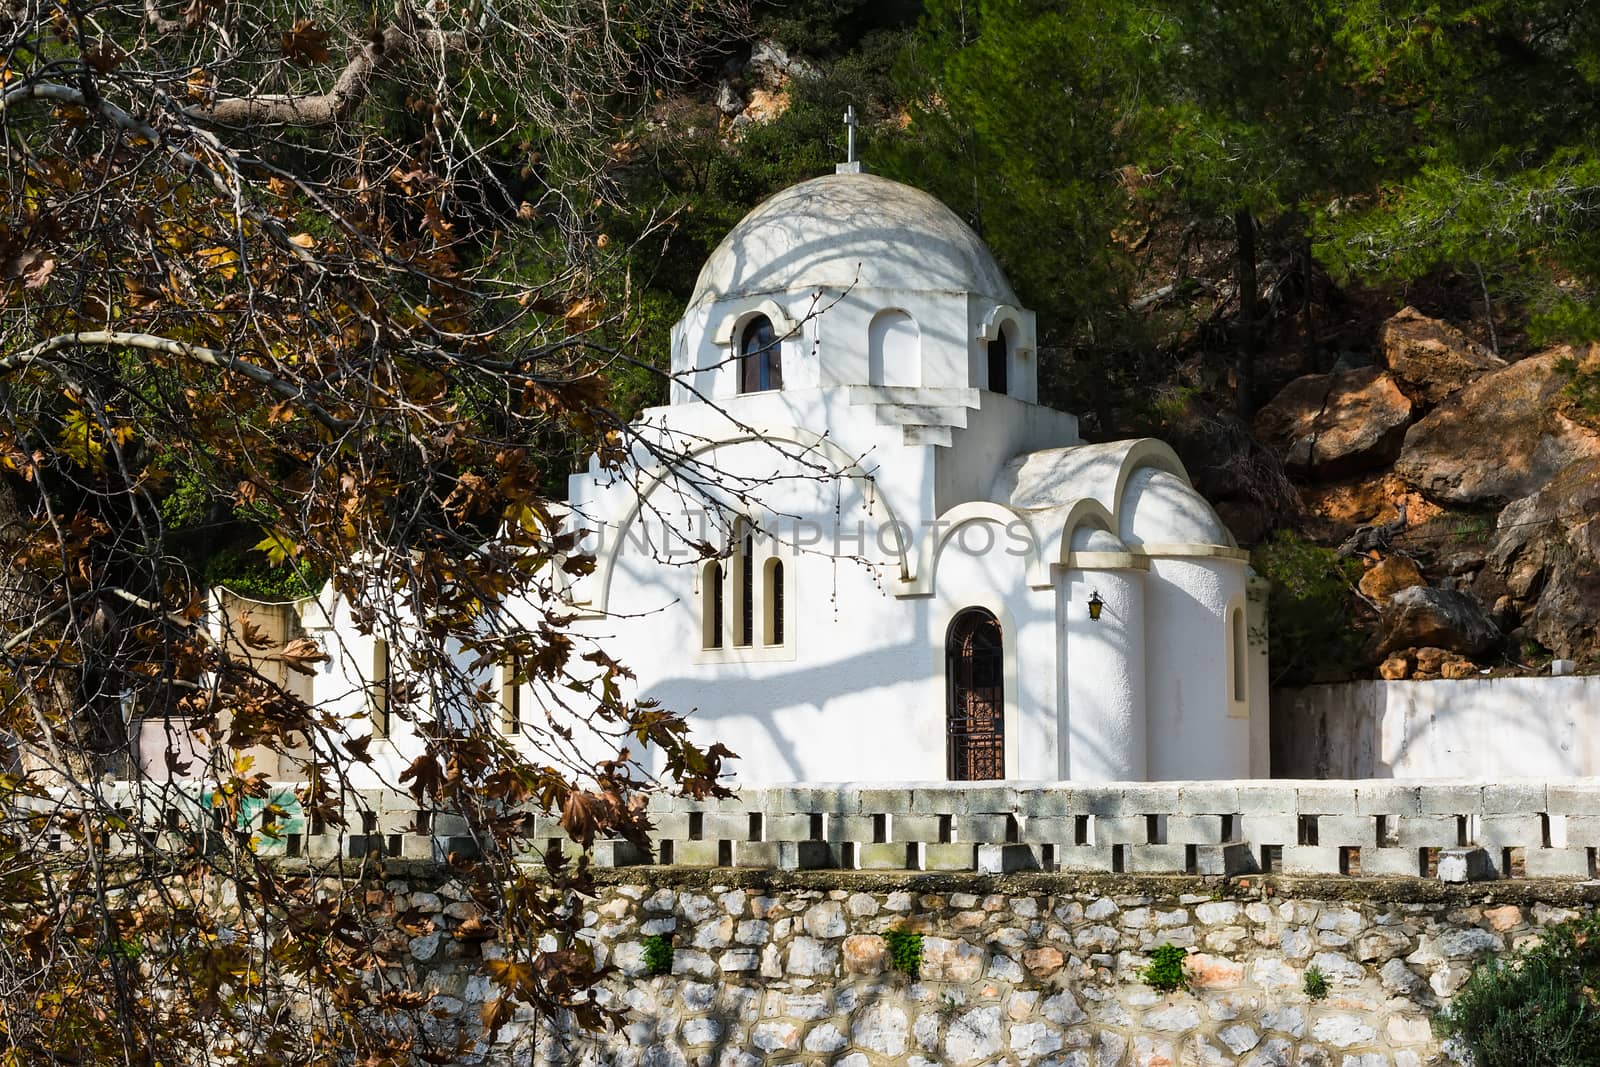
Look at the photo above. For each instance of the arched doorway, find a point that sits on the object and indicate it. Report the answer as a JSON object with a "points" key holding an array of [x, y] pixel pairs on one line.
{"points": [[976, 699]]}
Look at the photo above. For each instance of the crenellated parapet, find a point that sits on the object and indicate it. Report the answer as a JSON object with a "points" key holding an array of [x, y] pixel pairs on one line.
{"points": [[1453, 831]]}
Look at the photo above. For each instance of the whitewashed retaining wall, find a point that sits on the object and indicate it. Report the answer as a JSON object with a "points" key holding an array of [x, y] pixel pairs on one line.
{"points": [[1485, 728]]}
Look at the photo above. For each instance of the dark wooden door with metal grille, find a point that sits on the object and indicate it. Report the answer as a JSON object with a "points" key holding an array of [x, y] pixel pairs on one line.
{"points": [[975, 715]]}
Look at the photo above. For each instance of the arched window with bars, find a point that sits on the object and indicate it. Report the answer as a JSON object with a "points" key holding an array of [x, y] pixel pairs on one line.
{"points": [[760, 357]]}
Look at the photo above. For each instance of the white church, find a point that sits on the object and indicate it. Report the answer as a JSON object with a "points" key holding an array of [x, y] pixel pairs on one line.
{"points": [[859, 549], [854, 546]]}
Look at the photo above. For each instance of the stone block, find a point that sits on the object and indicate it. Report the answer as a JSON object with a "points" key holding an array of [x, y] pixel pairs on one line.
{"points": [[1444, 799], [938, 801], [1194, 829], [1149, 799], [1464, 865], [1557, 863], [1267, 798], [1310, 859], [762, 855], [725, 826], [919, 827], [1271, 829], [449, 824], [1388, 799], [416, 847], [804, 855], [696, 853], [1359, 831], [1051, 803], [1208, 798], [1003, 859], [1514, 798], [1158, 859], [1224, 861], [885, 801], [831, 799], [1326, 798], [838, 828], [1051, 831], [669, 824], [1572, 798], [982, 829], [1100, 800], [786, 827], [322, 846], [989, 799], [1582, 829], [1391, 863], [1121, 830], [890, 856], [1427, 831], [1509, 831], [950, 857], [1086, 858]]}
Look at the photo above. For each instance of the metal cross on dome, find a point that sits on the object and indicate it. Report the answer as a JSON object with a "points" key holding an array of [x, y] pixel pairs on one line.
{"points": [[851, 164]]}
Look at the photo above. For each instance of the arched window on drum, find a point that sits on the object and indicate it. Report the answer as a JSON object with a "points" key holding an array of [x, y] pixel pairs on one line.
{"points": [[760, 357]]}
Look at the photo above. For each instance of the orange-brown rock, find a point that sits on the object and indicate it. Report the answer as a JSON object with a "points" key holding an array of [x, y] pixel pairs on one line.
{"points": [[1375, 499], [865, 954], [1499, 439], [1043, 962], [1429, 660], [1431, 358], [1503, 918], [1332, 425], [1547, 549], [1458, 668], [1390, 575], [1395, 668], [1212, 972]]}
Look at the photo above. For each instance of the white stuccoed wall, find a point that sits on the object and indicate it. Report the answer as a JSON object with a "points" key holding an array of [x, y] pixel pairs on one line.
{"points": [[1475, 727]]}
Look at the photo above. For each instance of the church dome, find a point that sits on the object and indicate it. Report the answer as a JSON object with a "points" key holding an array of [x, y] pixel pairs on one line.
{"points": [[843, 230]]}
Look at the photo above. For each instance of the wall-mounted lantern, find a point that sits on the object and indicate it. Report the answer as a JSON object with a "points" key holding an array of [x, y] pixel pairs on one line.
{"points": [[1095, 606]]}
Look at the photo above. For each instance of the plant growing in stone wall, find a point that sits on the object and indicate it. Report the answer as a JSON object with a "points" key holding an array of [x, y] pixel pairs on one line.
{"points": [[1539, 1008], [1165, 970], [1316, 983], [905, 951], [658, 954]]}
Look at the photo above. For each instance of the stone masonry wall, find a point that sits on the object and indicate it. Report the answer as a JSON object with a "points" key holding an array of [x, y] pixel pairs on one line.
{"points": [[1042, 971]]}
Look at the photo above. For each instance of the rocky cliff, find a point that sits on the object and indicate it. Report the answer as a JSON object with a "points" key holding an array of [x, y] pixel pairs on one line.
{"points": [[1469, 487]]}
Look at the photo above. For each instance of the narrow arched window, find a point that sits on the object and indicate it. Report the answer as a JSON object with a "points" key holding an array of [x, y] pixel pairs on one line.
{"points": [[380, 694], [975, 723], [999, 363], [760, 358], [772, 598], [1238, 660], [511, 695], [711, 605], [745, 632]]}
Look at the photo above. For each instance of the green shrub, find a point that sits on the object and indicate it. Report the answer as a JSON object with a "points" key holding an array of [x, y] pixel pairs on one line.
{"points": [[905, 951], [1310, 610], [254, 577], [658, 954], [1316, 983], [1539, 1008], [1165, 969]]}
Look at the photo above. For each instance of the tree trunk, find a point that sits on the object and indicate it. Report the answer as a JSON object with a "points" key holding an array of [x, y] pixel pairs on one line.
{"points": [[1244, 373], [1309, 338]]}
